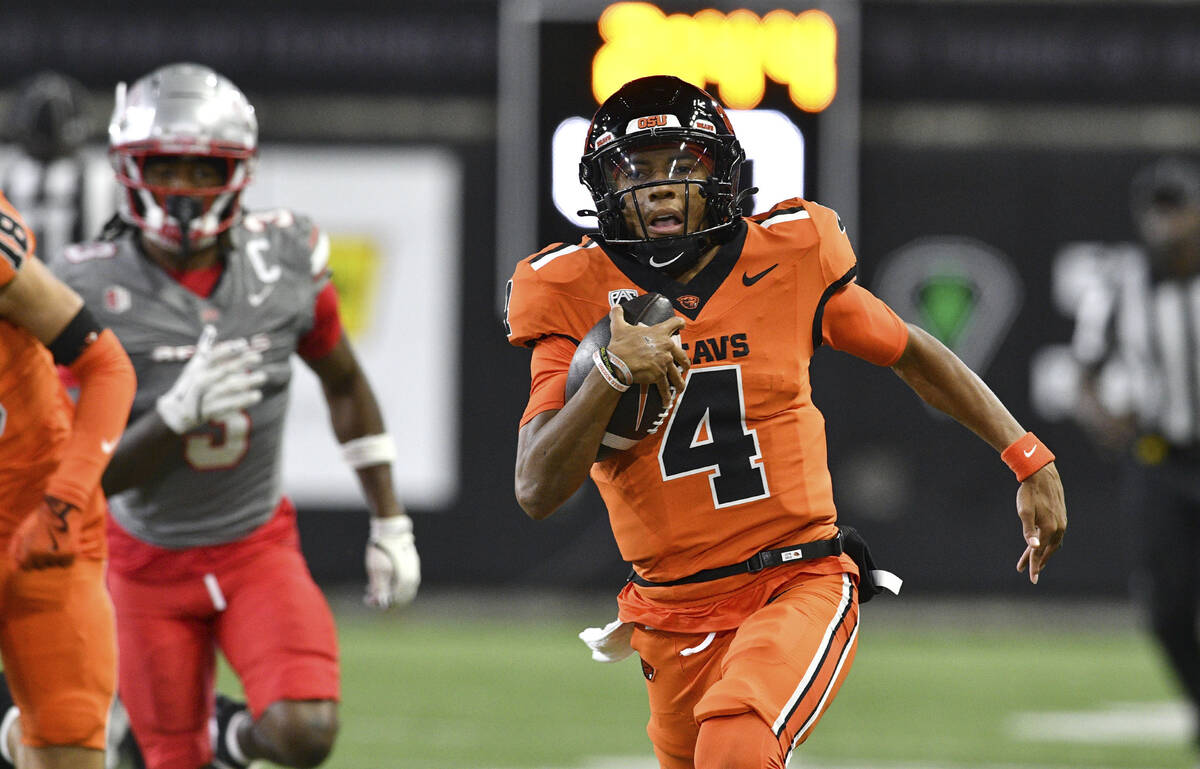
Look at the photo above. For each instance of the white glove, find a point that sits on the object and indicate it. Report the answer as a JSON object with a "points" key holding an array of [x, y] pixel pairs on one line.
{"points": [[393, 567], [214, 382]]}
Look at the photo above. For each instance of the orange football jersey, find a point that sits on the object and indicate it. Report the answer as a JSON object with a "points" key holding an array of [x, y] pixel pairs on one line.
{"points": [[35, 410], [740, 464]]}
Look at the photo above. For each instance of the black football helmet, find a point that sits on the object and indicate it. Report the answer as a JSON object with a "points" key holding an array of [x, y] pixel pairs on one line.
{"points": [[49, 117], [662, 112]]}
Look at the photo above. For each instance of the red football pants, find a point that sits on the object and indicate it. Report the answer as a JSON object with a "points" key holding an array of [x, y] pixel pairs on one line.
{"points": [[253, 598]]}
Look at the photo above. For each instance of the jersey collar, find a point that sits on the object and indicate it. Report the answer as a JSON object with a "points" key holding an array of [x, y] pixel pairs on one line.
{"points": [[687, 298]]}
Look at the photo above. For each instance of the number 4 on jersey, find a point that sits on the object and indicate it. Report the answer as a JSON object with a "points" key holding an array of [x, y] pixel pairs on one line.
{"points": [[708, 434]]}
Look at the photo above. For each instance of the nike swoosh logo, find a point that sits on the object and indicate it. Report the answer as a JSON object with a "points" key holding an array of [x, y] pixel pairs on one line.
{"points": [[1029, 453], [747, 280], [261, 296], [108, 446]]}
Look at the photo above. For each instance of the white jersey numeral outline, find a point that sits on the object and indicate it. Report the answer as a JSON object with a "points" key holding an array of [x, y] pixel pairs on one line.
{"points": [[224, 450], [268, 274], [739, 452]]}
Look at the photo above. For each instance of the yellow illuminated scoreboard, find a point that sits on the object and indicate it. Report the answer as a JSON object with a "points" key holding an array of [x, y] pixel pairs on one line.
{"points": [[737, 52]]}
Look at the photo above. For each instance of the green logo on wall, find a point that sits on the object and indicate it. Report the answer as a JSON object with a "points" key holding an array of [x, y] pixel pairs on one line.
{"points": [[963, 291], [946, 303]]}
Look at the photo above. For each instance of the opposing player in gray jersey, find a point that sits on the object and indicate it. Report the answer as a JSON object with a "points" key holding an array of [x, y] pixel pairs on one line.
{"points": [[211, 303]]}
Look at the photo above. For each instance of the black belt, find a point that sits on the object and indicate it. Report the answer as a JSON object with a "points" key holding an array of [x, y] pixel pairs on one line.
{"points": [[764, 559]]}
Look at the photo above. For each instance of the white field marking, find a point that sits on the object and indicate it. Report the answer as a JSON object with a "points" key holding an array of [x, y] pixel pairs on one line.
{"points": [[1116, 723], [800, 762]]}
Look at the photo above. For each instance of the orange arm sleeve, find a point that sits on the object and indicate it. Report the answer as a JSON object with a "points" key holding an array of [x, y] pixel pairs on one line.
{"points": [[106, 387], [548, 375], [860, 323]]}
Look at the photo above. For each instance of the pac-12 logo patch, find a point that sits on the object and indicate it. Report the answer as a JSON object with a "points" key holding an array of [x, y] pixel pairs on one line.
{"points": [[620, 295]]}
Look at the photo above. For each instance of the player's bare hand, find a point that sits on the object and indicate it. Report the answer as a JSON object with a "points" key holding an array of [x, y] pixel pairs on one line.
{"points": [[1043, 513], [48, 537], [393, 566], [653, 354]]}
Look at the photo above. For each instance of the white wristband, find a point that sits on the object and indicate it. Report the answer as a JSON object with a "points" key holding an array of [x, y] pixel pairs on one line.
{"points": [[391, 526], [619, 368], [369, 450], [609, 377]]}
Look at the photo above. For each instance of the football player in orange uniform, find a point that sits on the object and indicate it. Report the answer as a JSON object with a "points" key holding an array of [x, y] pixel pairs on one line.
{"points": [[56, 621], [743, 603]]}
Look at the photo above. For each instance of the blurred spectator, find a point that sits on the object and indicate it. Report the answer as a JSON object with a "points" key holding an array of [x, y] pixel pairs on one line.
{"points": [[1138, 337], [65, 194]]}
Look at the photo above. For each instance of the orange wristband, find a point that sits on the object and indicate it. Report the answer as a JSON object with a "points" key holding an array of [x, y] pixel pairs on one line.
{"points": [[1026, 456]]}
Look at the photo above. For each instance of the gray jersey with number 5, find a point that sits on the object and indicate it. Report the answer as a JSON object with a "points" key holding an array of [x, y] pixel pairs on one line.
{"points": [[225, 481]]}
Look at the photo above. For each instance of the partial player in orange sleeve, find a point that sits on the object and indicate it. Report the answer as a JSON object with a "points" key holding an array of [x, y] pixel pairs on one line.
{"points": [[548, 376], [744, 592], [860, 323], [59, 658]]}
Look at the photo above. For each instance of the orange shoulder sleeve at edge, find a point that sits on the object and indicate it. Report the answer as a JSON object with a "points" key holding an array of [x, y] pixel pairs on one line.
{"points": [[860, 323], [548, 375], [106, 387]]}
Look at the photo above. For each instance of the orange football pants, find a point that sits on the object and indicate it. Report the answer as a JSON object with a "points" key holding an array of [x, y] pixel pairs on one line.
{"points": [[59, 650], [784, 664]]}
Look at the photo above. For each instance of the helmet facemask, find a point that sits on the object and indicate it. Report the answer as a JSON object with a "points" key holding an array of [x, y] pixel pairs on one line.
{"points": [[662, 165], [656, 197], [162, 212]]}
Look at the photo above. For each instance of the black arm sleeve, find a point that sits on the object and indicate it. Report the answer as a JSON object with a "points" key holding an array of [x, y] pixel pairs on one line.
{"points": [[75, 338]]}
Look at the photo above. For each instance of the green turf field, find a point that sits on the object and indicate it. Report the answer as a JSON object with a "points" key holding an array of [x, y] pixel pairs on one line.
{"points": [[430, 689]]}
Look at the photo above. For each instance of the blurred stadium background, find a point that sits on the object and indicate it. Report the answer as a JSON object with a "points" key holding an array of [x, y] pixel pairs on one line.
{"points": [[980, 154]]}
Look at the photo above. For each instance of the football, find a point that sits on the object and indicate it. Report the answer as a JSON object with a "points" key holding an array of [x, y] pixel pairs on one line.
{"points": [[639, 411]]}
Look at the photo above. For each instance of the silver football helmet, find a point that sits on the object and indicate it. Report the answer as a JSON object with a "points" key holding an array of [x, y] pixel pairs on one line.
{"points": [[182, 109]]}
